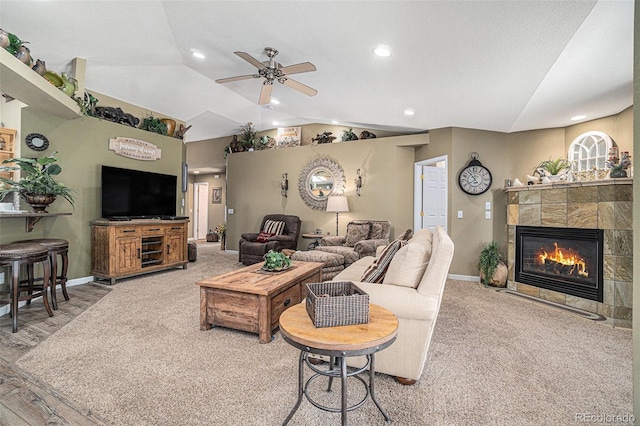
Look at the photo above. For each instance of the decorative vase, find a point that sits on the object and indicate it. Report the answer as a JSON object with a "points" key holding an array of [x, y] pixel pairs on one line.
{"points": [[223, 237], [618, 173], [24, 55], [40, 67], [39, 202], [69, 85], [4, 39], [171, 125]]}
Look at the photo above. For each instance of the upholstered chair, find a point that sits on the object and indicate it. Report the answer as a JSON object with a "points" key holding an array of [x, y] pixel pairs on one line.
{"points": [[362, 239], [277, 232]]}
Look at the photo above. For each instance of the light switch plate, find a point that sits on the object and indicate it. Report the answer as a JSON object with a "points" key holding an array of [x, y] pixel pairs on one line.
{"points": [[230, 211], [460, 215], [487, 205], [487, 214]]}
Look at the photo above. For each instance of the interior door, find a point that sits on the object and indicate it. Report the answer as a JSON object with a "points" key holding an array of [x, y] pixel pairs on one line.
{"points": [[430, 194], [434, 197], [201, 210]]}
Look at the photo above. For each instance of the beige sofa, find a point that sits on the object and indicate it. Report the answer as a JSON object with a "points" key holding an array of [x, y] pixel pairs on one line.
{"points": [[412, 289]]}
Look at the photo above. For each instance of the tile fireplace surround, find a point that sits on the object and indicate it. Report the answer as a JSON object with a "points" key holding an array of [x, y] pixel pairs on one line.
{"points": [[601, 204]]}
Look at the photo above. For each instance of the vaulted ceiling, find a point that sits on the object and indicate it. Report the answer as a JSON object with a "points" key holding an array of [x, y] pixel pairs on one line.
{"points": [[495, 65]]}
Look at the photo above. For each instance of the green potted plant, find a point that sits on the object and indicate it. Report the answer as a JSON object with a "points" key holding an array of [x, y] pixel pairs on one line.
{"points": [[489, 263], [248, 136], [553, 167], [276, 261], [348, 135], [152, 124], [37, 185]]}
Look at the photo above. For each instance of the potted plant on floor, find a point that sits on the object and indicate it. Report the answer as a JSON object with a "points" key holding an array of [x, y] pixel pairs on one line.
{"points": [[37, 185], [493, 271]]}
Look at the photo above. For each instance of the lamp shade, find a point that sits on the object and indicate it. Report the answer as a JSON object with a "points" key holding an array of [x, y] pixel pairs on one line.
{"points": [[337, 203]]}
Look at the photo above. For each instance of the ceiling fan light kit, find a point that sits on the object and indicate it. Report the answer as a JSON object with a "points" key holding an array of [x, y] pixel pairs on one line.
{"points": [[273, 71]]}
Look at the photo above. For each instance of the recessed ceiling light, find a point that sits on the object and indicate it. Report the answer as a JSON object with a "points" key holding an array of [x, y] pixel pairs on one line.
{"points": [[578, 117], [409, 112], [334, 121], [382, 50], [275, 101], [197, 54], [275, 123]]}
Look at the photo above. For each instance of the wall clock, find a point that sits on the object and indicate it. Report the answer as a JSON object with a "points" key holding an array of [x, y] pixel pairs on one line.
{"points": [[36, 142], [475, 179]]}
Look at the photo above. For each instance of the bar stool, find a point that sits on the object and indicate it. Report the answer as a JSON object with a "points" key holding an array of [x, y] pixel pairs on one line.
{"points": [[16, 255], [55, 246]]}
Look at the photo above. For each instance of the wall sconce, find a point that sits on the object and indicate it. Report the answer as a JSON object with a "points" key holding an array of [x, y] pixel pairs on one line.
{"points": [[284, 185], [358, 182]]}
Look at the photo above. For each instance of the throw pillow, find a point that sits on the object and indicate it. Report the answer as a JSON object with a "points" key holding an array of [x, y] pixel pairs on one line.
{"points": [[275, 227], [376, 271], [356, 232], [263, 237]]}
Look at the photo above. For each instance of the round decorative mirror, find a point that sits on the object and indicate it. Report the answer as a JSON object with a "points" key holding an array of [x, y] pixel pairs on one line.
{"points": [[319, 179], [37, 142]]}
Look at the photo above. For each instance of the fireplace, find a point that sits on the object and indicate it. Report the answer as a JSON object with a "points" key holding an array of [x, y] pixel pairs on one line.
{"points": [[566, 260]]}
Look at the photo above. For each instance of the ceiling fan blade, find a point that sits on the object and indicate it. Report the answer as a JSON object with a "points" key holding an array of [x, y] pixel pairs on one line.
{"points": [[253, 61], [239, 77], [298, 68], [303, 88], [265, 93]]}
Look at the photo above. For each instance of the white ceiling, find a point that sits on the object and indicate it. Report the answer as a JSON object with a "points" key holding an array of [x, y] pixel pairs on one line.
{"points": [[494, 65]]}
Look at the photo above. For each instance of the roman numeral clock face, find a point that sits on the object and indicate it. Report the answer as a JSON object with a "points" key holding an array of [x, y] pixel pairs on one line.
{"points": [[475, 179]]}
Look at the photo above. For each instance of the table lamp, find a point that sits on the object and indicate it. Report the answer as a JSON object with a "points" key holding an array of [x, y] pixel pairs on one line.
{"points": [[338, 204]]}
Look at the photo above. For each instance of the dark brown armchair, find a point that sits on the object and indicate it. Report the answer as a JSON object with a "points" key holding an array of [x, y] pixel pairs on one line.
{"points": [[287, 231]]}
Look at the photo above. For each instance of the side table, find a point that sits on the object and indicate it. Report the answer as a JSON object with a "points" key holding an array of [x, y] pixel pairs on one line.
{"points": [[338, 343], [315, 237]]}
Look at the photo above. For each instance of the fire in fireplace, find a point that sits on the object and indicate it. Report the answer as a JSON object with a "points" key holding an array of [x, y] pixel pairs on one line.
{"points": [[567, 260]]}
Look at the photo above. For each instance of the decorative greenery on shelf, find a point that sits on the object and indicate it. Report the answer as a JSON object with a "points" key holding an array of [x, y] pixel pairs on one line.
{"points": [[36, 178], [348, 135], [152, 124], [14, 43], [87, 104], [488, 262], [248, 136], [275, 261], [553, 167]]}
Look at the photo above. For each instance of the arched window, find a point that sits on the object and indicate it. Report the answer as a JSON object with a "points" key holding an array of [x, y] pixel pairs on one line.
{"points": [[588, 150]]}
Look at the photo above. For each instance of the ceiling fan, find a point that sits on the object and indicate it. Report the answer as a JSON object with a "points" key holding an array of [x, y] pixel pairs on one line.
{"points": [[273, 71]]}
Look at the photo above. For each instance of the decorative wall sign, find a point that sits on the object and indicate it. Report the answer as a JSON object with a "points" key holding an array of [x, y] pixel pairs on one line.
{"points": [[288, 136], [216, 196], [134, 148]]}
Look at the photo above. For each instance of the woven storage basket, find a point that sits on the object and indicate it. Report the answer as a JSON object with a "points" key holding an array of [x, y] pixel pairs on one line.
{"points": [[334, 303]]}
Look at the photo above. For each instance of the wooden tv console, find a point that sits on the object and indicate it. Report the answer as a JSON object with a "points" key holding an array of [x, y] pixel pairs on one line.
{"points": [[128, 248]]}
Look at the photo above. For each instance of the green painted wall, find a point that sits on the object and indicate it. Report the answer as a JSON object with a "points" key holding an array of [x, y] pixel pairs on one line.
{"points": [[82, 146]]}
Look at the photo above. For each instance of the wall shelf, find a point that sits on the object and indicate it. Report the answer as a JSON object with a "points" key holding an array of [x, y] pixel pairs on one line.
{"points": [[31, 218], [22, 83]]}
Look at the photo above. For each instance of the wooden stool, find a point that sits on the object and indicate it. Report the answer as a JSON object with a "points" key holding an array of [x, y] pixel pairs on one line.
{"points": [[56, 247], [15, 255]]}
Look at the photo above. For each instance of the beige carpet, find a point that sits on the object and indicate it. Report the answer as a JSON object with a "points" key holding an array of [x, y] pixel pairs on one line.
{"points": [[137, 357]]}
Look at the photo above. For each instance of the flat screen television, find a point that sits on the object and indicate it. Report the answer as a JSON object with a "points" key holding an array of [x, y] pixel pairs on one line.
{"points": [[137, 194]]}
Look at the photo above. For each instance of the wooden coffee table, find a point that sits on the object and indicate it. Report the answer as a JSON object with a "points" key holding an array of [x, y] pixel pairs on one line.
{"points": [[338, 343], [252, 300]]}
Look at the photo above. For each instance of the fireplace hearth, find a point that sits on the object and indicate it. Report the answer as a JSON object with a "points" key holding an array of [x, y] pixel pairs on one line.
{"points": [[566, 260]]}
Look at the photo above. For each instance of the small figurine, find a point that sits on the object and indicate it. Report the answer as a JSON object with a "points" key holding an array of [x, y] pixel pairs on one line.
{"points": [[324, 138]]}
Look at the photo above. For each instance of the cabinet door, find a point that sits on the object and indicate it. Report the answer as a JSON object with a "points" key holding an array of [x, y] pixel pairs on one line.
{"points": [[128, 251], [175, 249]]}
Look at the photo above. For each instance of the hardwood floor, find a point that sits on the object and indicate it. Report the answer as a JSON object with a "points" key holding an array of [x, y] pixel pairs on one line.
{"points": [[24, 400]]}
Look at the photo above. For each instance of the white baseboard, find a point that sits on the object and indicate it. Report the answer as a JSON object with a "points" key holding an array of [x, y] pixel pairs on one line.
{"points": [[464, 277]]}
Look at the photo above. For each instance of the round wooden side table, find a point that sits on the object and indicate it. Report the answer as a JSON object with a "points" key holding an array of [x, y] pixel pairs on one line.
{"points": [[338, 343], [316, 238]]}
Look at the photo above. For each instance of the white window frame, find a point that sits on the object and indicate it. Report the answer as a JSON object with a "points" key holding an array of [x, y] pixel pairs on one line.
{"points": [[588, 150]]}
